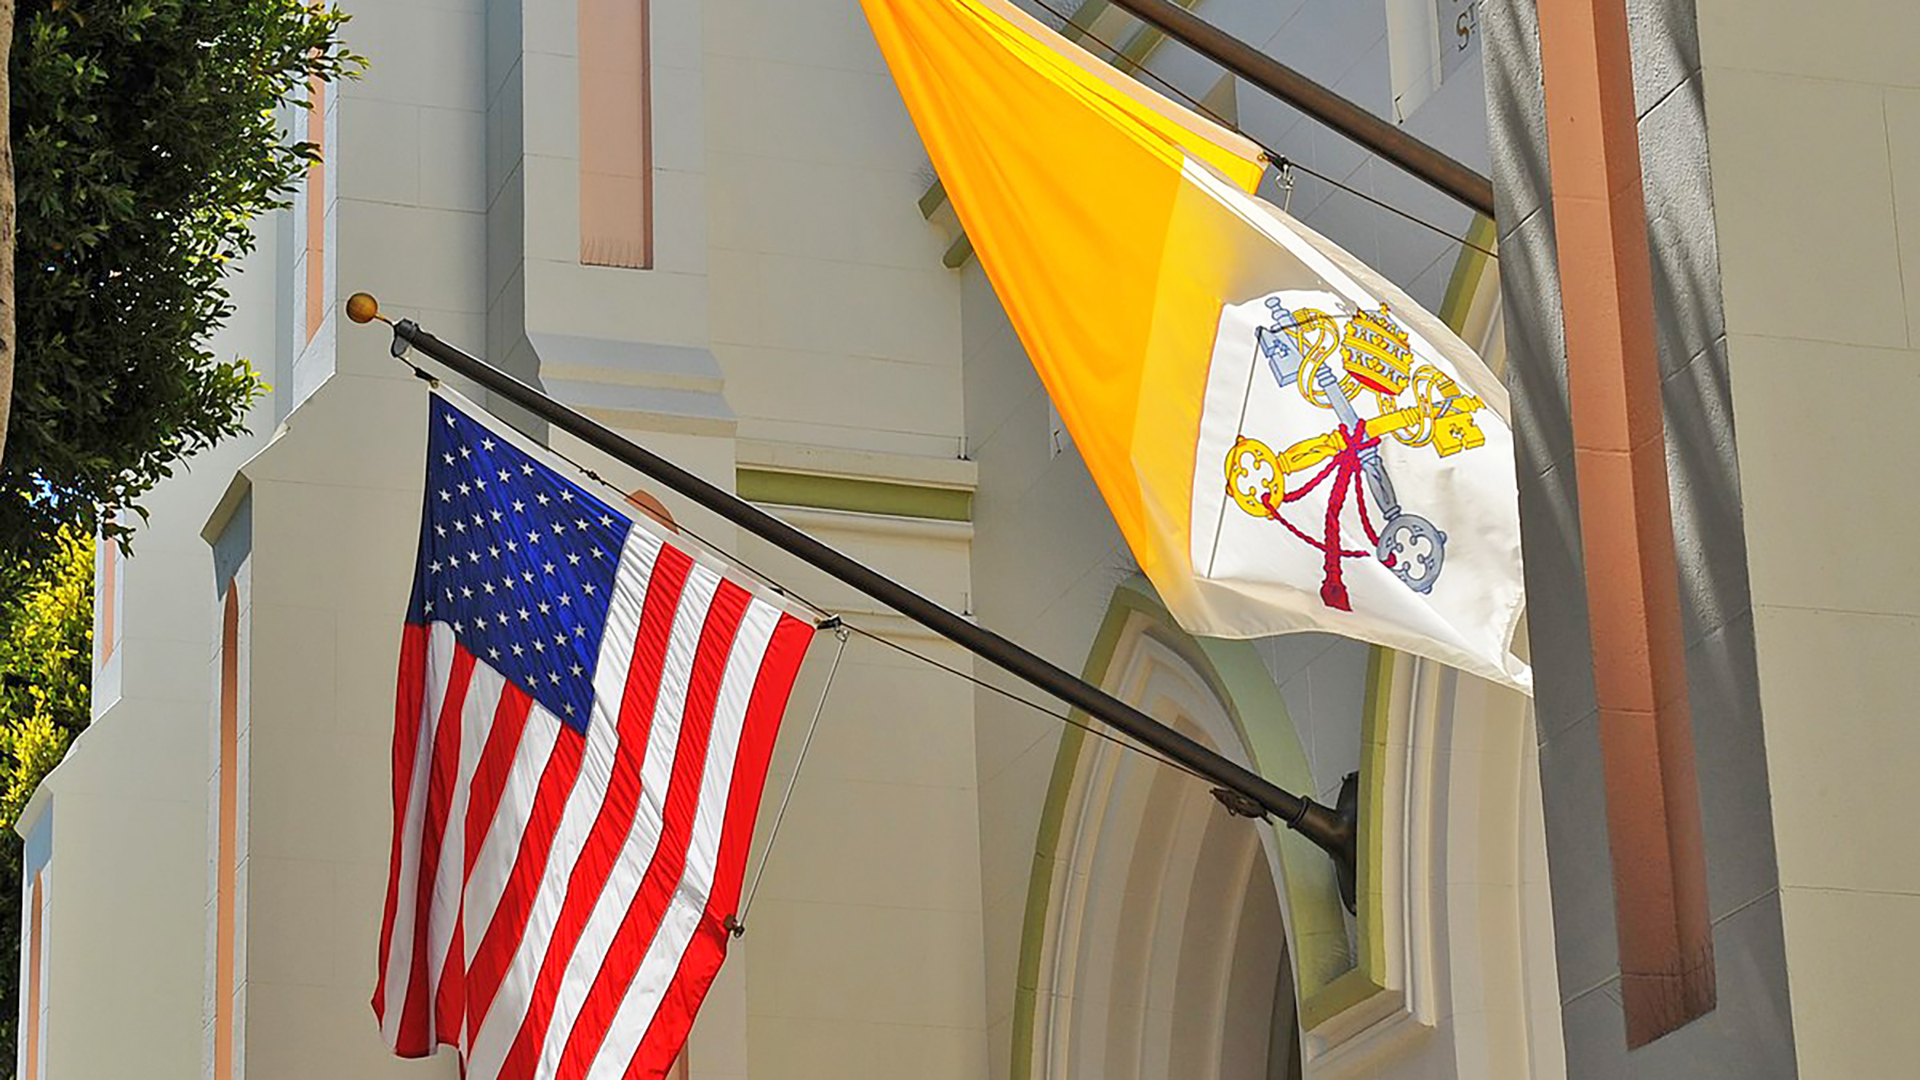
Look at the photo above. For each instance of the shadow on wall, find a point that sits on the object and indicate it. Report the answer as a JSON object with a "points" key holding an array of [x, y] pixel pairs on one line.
{"points": [[1709, 536]]}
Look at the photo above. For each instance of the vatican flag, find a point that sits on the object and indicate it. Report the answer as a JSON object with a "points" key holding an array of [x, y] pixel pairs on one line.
{"points": [[1286, 440]]}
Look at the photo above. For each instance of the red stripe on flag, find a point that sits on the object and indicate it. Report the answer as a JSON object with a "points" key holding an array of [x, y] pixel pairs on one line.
{"points": [[450, 1000], [509, 922], [483, 800], [615, 820], [701, 961], [496, 764], [636, 930], [415, 1038], [410, 701]]}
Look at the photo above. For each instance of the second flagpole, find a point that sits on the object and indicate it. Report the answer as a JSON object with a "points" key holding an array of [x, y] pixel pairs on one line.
{"points": [[1242, 791]]}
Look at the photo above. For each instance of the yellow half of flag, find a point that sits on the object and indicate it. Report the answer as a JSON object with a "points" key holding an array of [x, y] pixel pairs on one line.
{"points": [[1065, 175], [1347, 469]]}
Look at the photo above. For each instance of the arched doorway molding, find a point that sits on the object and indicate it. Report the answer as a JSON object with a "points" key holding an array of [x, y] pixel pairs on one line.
{"points": [[1210, 689], [1451, 948]]}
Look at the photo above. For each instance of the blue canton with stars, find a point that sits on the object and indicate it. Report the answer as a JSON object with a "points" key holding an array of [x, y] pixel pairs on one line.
{"points": [[517, 560]]}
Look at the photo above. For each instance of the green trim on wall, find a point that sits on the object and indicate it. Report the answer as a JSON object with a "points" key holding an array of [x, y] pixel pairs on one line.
{"points": [[1337, 997], [853, 494], [1319, 949], [1033, 931], [1374, 725], [1468, 271], [934, 198], [1329, 980], [957, 253]]}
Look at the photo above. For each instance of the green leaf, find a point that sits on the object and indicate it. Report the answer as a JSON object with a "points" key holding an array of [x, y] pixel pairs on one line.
{"points": [[146, 140]]}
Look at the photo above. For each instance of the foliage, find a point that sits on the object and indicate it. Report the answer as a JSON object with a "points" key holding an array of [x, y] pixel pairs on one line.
{"points": [[145, 138], [46, 656]]}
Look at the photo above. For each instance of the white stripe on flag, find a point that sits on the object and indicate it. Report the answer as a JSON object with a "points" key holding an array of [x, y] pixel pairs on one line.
{"points": [[655, 972], [439, 666], [749, 647], [495, 1036], [502, 845], [484, 688], [547, 876]]}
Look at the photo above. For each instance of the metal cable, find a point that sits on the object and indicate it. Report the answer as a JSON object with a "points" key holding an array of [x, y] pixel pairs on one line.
{"points": [[828, 616], [737, 923], [1279, 160], [1065, 718]]}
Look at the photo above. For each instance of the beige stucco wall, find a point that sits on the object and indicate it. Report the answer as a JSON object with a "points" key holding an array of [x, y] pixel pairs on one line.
{"points": [[127, 930], [823, 276], [1814, 128], [886, 936], [863, 954]]}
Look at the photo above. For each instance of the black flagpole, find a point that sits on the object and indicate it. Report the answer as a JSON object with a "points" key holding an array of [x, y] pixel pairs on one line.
{"points": [[1443, 173], [1241, 790]]}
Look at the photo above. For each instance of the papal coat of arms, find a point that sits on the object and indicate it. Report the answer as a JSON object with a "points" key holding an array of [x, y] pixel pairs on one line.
{"points": [[1341, 362]]}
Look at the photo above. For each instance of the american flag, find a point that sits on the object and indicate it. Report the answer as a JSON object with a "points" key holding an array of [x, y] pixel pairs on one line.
{"points": [[584, 722]]}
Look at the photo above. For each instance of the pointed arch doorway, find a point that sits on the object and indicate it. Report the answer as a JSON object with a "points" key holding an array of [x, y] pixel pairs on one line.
{"points": [[1164, 939], [1157, 945]]}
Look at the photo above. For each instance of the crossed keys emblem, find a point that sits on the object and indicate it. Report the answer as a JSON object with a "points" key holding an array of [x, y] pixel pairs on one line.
{"points": [[1417, 405]]}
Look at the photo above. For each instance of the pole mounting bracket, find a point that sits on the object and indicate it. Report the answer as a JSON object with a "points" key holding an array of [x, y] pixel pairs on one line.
{"points": [[1337, 833], [1238, 804], [1346, 810]]}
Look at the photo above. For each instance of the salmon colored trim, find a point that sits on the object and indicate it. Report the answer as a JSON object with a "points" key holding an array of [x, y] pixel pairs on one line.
{"points": [[1626, 524], [616, 134], [228, 861], [109, 572], [33, 978], [316, 207], [647, 504]]}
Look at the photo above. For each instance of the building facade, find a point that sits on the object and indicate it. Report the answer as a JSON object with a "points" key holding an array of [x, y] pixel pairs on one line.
{"points": [[1809, 881], [710, 225]]}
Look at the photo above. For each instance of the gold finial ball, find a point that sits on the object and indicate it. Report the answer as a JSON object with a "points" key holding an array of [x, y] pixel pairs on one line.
{"points": [[362, 307]]}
